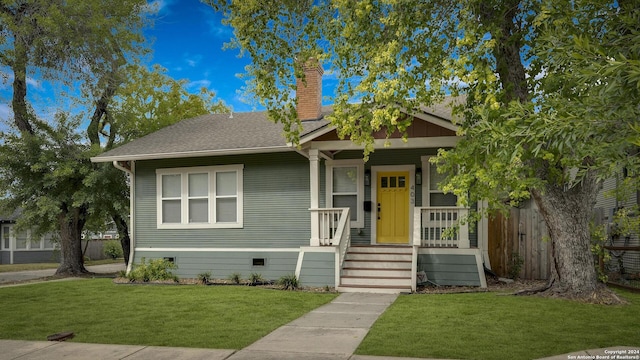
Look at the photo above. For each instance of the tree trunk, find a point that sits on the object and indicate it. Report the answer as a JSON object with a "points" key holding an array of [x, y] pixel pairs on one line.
{"points": [[125, 240], [71, 221], [18, 103], [567, 213]]}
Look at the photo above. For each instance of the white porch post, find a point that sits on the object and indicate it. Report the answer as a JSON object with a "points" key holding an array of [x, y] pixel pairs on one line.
{"points": [[483, 234], [464, 230], [314, 189]]}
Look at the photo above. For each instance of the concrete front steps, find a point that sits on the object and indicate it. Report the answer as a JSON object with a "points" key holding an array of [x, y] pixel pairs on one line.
{"points": [[376, 269]]}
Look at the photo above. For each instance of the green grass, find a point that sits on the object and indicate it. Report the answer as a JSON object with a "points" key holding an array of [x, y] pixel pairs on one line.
{"points": [[99, 311], [492, 326], [42, 266]]}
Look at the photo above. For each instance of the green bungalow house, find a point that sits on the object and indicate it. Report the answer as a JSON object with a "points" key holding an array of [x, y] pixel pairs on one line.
{"points": [[24, 247], [226, 193]]}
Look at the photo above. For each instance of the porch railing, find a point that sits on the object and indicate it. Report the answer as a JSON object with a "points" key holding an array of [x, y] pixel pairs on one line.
{"points": [[330, 227], [441, 227]]}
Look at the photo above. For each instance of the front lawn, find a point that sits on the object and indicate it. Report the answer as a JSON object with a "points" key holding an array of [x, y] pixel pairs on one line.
{"points": [[498, 326], [99, 311]]}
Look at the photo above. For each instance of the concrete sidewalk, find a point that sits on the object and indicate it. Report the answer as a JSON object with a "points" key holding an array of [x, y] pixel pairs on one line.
{"points": [[17, 276]]}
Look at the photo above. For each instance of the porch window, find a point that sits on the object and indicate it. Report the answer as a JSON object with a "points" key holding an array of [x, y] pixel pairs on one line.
{"points": [[35, 242], [49, 242], [345, 188], [21, 240], [200, 197], [6, 237], [434, 196]]}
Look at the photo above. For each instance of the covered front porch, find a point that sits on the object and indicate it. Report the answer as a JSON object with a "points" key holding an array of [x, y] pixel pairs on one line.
{"points": [[438, 254], [385, 220]]}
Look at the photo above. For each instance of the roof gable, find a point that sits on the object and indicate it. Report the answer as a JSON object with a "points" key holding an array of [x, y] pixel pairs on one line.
{"points": [[418, 128]]}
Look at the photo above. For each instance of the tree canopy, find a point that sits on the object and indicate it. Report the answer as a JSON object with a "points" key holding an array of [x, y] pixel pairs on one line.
{"points": [[92, 52], [549, 90]]}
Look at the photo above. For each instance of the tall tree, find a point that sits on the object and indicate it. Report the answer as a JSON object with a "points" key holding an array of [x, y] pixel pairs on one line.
{"points": [[550, 89], [68, 42], [135, 101]]}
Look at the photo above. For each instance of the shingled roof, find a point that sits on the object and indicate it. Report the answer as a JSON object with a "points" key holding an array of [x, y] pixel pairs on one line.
{"points": [[240, 133], [213, 134]]}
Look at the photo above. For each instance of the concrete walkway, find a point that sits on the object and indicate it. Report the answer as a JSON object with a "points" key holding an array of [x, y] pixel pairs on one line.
{"points": [[332, 331], [17, 276]]}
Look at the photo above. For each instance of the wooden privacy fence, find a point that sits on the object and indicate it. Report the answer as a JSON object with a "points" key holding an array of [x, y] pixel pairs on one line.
{"points": [[523, 234]]}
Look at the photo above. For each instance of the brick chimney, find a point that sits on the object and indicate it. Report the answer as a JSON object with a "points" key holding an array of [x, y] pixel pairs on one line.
{"points": [[310, 96]]}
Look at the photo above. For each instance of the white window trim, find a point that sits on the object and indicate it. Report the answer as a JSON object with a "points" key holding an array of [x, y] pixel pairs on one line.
{"points": [[184, 203], [11, 237], [426, 179], [13, 241], [359, 164]]}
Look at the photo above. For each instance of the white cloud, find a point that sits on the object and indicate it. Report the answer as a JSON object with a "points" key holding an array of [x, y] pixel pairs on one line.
{"points": [[218, 30], [192, 60], [6, 113], [199, 84], [35, 83], [158, 6], [6, 79]]}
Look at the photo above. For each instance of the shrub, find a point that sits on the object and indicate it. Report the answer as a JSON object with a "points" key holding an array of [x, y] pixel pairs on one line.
{"points": [[155, 270], [204, 277], [235, 278], [288, 282], [112, 249], [515, 265], [255, 279], [598, 241]]}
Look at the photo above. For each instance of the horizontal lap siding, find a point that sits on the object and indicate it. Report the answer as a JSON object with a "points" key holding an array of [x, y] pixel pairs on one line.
{"points": [[276, 203], [223, 264], [449, 269], [318, 269], [33, 256]]}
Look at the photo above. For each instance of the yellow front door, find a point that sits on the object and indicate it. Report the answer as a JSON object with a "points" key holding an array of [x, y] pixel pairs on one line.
{"points": [[392, 226]]}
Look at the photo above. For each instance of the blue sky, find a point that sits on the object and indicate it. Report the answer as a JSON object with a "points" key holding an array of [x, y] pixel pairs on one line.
{"points": [[188, 37]]}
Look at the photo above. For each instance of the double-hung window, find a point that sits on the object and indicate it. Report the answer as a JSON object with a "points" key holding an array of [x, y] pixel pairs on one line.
{"points": [[432, 195], [200, 197], [345, 188]]}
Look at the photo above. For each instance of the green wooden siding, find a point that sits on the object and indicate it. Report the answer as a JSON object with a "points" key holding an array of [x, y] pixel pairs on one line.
{"points": [[276, 203], [318, 269], [450, 269], [29, 256], [221, 264]]}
